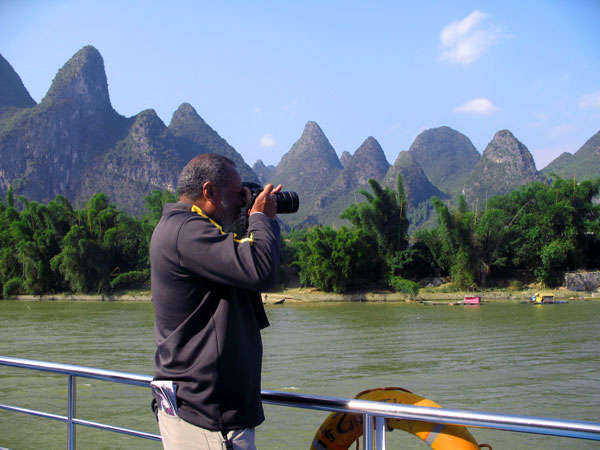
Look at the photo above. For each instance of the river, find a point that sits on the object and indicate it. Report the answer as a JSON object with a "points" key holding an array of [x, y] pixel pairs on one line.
{"points": [[501, 357]]}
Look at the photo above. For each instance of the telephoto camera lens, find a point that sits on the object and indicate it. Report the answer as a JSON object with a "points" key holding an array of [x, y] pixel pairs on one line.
{"points": [[287, 202]]}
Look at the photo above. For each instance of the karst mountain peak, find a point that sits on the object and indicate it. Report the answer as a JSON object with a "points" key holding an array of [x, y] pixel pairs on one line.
{"points": [[504, 165], [82, 80], [12, 90], [505, 147], [74, 143]]}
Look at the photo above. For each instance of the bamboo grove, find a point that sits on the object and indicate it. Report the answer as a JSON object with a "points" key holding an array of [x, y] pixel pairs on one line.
{"points": [[534, 233]]}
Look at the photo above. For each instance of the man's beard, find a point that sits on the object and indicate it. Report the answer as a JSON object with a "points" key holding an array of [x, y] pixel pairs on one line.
{"points": [[226, 219]]}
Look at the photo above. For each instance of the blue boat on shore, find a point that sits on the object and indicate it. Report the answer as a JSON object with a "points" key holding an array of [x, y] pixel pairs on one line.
{"points": [[545, 299]]}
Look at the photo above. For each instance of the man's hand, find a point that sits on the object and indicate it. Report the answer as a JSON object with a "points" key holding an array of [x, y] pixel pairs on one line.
{"points": [[266, 202]]}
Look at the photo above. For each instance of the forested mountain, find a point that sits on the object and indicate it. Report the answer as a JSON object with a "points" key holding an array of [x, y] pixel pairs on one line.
{"points": [[194, 136], [345, 158], [308, 169], [417, 187], [368, 161], [74, 143], [446, 156], [583, 165], [12, 91], [47, 149], [505, 165], [264, 173]]}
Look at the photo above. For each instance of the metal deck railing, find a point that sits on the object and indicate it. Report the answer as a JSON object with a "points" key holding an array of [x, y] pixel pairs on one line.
{"points": [[374, 413]]}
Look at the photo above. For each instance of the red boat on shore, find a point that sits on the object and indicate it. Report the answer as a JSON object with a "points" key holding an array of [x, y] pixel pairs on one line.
{"points": [[472, 300]]}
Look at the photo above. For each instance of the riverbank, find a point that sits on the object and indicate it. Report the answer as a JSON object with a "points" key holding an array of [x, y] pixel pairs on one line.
{"points": [[297, 295], [141, 296], [311, 295]]}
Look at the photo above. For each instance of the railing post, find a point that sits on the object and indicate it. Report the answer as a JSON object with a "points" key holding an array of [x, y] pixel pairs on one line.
{"points": [[368, 432], [71, 435], [380, 432]]}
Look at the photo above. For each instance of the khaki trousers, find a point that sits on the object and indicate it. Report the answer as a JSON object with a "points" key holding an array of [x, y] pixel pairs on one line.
{"points": [[177, 434]]}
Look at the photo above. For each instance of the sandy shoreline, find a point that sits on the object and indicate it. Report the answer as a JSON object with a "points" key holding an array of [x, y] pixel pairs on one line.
{"points": [[311, 295], [308, 295]]}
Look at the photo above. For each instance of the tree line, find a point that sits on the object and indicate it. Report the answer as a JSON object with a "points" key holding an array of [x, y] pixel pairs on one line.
{"points": [[47, 248], [538, 231]]}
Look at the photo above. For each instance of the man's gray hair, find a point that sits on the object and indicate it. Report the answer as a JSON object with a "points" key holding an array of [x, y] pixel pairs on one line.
{"points": [[202, 168]]}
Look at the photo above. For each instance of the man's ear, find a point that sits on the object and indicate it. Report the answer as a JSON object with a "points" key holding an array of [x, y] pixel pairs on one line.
{"points": [[209, 190]]}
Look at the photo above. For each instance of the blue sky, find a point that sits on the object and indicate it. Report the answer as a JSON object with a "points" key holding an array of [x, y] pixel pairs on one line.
{"points": [[258, 71]]}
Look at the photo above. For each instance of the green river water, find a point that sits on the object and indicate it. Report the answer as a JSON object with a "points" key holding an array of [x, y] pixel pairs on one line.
{"points": [[501, 357]]}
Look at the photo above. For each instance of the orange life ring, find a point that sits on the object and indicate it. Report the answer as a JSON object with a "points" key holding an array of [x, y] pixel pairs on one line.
{"points": [[340, 430]]}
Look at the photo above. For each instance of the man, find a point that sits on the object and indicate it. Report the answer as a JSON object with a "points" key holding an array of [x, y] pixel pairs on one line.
{"points": [[208, 309]]}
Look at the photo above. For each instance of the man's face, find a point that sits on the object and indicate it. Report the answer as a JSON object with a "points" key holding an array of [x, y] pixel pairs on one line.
{"points": [[229, 200]]}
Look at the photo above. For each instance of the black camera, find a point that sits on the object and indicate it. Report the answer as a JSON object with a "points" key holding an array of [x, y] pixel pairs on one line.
{"points": [[287, 202]]}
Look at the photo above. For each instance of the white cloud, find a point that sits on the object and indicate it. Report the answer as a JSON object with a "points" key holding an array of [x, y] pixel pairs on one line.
{"points": [[589, 101], [479, 106], [267, 140], [466, 40]]}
